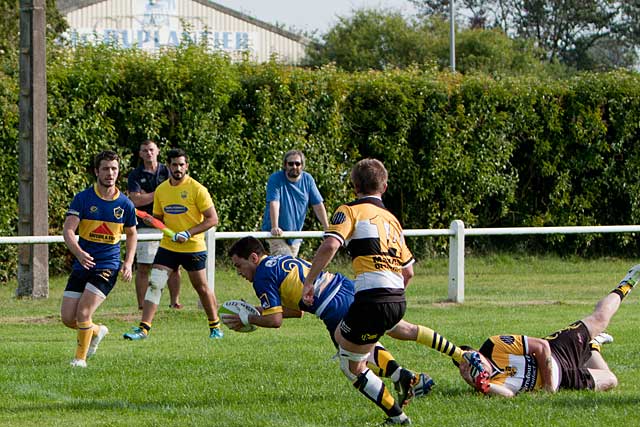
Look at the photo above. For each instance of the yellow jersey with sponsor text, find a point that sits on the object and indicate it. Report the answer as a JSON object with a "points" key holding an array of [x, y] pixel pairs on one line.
{"points": [[181, 208], [374, 239]]}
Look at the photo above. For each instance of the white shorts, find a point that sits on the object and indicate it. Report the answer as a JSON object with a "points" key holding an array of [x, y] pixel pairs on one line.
{"points": [[146, 250]]}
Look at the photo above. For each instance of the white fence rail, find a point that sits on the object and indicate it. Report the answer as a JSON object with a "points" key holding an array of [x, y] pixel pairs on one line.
{"points": [[457, 233]]}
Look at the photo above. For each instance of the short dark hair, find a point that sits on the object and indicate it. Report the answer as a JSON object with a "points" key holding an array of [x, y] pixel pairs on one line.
{"points": [[369, 176], [246, 246], [107, 155], [147, 142], [174, 153]]}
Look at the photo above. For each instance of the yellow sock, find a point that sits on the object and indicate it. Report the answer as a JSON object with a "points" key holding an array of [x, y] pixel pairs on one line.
{"points": [[431, 338], [385, 364], [85, 333], [214, 324]]}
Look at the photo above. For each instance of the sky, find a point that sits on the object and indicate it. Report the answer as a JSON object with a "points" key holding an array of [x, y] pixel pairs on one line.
{"points": [[308, 15]]}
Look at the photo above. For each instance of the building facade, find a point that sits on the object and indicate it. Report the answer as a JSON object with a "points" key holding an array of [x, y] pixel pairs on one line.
{"points": [[152, 25]]}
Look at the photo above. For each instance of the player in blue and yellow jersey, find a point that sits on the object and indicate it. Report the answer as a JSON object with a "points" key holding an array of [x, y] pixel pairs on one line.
{"points": [[383, 265], [567, 359], [183, 204], [277, 282], [100, 214]]}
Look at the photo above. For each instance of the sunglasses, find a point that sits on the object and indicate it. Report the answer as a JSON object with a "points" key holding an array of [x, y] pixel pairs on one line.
{"points": [[294, 163]]}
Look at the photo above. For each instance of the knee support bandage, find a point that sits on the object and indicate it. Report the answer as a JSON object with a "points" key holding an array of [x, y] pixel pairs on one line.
{"points": [[157, 281], [345, 357]]}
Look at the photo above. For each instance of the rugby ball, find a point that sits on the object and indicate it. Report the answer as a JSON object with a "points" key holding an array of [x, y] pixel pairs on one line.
{"points": [[242, 309]]}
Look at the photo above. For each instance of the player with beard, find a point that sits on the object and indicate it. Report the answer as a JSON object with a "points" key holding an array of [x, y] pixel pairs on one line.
{"points": [[101, 213], [290, 192], [183, 204]]}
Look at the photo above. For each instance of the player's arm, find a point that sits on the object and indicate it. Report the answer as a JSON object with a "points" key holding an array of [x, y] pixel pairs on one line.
{"points": [[499, 390], [130, 251], [321, 214], [407, 274], [272, 320], [321, 260], [140, 198], [274, 214], [289, 313], [541, 351], [210, 220], [69, 234]]}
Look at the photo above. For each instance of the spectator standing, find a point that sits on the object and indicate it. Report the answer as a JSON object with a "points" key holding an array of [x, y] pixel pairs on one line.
{"points": [[290, 192], [141, 186]]}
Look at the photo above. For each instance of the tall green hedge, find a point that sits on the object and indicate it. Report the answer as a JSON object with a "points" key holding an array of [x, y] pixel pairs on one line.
{"points": [[513, 152]]}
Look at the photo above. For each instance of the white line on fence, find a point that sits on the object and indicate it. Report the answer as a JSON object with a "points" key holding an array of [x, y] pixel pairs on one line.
{"points": [[456, 233]]}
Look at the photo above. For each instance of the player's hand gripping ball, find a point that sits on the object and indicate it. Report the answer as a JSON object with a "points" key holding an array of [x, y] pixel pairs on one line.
{"points": [[242, 309]]}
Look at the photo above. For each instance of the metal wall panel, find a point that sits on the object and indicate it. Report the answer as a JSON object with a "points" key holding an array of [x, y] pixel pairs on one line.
{"points": [[159, 23]]}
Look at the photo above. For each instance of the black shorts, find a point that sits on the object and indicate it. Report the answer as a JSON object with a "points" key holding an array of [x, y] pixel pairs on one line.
{"points": [[367, 320], [570, 348], [103, 279], [190, 261]]}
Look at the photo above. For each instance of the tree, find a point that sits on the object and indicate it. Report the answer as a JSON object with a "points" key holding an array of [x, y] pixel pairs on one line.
{"points": [[10, 27], [378, 40], [370, 39], [586, 34]]}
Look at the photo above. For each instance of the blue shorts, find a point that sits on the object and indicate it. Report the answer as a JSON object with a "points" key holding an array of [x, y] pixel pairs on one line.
{"points": [[103, 279], [190, 261]]}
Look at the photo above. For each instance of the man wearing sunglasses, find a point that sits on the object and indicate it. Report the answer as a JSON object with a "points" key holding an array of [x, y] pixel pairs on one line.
{"points": [[290, 192]]}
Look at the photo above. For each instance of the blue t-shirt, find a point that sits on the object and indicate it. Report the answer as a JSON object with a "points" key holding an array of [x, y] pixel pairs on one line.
{"points": [[295, 199], [101, 226]]}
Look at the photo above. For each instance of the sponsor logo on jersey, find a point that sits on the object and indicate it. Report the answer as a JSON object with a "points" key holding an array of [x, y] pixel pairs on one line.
{"points": [[175, 209], [271, 263], [102, 233], [118, 212], [369, 337], [264, 301]]}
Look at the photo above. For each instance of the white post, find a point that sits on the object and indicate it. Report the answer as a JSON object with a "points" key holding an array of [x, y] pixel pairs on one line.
{"points": [[452, 35], [210, 238], [456, 262]]}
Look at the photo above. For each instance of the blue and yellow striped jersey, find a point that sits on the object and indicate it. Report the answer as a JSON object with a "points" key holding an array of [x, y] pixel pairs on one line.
{"points": [[278, 283], [101, 225]]}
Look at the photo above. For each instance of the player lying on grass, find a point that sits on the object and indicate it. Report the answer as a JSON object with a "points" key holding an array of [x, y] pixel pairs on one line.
{"points": [[567, 359], [277, 282]]}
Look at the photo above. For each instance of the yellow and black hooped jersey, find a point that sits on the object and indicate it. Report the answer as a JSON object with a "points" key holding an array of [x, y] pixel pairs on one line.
{"points": [[513, 367], [374, 239], [101, 225]]}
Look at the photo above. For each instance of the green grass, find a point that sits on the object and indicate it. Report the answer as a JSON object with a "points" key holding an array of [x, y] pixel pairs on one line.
{"points": [[286, 377]]}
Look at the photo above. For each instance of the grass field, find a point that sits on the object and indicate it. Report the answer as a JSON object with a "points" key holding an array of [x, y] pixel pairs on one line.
{"points": [[286, 377]]}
